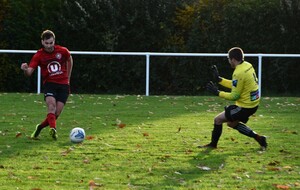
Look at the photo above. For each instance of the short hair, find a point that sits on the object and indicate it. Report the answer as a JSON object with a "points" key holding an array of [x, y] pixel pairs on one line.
{"points": [[236, 53], [47, 34]]}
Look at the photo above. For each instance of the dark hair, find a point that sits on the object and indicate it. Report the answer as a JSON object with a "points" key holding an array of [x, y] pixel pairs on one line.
{"points": [[47, 34], [236, 53]]}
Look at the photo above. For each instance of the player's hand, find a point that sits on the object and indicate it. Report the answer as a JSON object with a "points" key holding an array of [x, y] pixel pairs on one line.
{"points": [[211, 87], [215, 72], [24, 66]]}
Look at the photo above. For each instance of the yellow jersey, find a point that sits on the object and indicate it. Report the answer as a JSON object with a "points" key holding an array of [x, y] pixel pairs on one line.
{"points": [[244, 86]]}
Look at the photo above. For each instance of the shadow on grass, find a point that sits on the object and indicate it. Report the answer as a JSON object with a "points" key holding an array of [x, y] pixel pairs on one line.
{"points": [[201, 171], [12, 146], [190, 175], [204, 163]]}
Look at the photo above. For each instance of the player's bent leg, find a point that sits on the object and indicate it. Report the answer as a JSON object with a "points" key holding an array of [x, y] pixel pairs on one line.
{"points": [[59, 108], [51, 104], [245, 130], [217, 131], [53, 133], [215, 136], [36, 132], [262, 140]]}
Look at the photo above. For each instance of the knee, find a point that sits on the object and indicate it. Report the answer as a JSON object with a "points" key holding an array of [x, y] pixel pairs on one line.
{"points": [[229, 124], [232, 124], [217, 121], [57, 115], [52, 108]]}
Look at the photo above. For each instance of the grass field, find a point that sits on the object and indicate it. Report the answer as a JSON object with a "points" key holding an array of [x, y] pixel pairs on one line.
{"points": [[138, 142]]}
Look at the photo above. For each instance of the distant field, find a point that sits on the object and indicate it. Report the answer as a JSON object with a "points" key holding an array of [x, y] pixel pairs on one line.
{"points": [[138, 142]]}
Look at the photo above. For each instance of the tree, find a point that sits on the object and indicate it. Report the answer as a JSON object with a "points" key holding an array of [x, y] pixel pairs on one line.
{"points": [[151, 26]]}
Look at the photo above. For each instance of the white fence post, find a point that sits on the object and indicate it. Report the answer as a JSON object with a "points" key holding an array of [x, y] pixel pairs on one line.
{"points": [[259, 73], [39, 80], [147, 73]]}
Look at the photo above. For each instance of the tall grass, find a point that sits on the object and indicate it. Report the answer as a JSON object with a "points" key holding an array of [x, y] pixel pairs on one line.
{"points": [[138, 142]]}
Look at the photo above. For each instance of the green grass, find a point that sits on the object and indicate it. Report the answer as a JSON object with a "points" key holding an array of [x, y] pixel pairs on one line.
{"points": [[157, 149]]}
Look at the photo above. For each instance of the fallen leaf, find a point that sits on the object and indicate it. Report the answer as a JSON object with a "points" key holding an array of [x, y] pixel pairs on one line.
{"points": [[237, 177], [118, 121], [221, 166], [36, 167], [92, 184], [204, 168], [273, 168], [90, 137], [121, 125], [287, 167], [274, 163], [179, 129], [31, 177], [66, 152], [281, 186], [145, 134], [18, 134]]}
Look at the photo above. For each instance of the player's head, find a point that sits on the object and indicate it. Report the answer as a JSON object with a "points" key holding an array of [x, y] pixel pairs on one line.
{"points": [[48, 40], [235, 56], [236, 53], [47, 34]]}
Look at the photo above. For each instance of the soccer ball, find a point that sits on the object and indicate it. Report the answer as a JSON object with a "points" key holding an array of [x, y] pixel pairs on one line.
{"points": [[77, 135]]}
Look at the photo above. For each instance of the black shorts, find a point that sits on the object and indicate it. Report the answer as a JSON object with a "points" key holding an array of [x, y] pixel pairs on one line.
{"points": [[236, 113], [59, 91]]}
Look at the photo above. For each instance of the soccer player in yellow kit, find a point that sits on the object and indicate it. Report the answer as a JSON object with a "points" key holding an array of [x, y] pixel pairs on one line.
{"points": [[245, 93]]}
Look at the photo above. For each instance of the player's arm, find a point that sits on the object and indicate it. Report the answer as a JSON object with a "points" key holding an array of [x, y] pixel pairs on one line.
{"points": [[236, 89], [233, 95], [226, 83], [69, 67], [27, 70]]}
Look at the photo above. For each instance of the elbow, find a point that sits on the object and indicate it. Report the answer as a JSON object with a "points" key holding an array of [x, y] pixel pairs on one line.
{"points": [[235, 97], [27, 73]]}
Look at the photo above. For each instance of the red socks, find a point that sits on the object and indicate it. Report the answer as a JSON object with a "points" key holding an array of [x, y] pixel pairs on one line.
{"points": [[45, 123], [51, 118]]}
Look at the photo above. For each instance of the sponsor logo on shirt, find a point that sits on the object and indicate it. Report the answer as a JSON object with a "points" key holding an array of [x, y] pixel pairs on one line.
{"points": [[234, 83], [254, 95], [54, 68]]}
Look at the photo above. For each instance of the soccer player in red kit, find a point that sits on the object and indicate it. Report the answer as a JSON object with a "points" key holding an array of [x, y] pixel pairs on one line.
{"points": [[56, 65]]}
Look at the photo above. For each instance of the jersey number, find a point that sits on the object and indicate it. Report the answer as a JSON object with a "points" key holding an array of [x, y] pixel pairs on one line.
{"points": [[255, 78]]}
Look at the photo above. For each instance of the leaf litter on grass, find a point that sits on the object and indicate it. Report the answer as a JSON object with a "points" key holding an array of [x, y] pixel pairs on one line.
{"points": [[175, 126]]}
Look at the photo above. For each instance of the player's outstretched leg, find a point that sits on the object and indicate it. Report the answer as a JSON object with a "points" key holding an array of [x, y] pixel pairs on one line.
{"points": [[216, 133], [37, 131], [262, 140], [245, 130]]}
